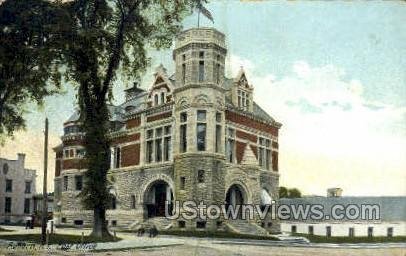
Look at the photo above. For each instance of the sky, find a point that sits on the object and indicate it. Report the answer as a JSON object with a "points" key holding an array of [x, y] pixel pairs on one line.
{"points": [[332, 72]]}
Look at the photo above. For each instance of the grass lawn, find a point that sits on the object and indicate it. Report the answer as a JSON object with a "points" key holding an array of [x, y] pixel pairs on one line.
{"points": [[219, 234], [361, 239], [56, 238]]}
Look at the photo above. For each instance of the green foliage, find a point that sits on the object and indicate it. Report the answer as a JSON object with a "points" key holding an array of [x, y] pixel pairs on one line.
{"points": [[289, 192], [29, 58], [110, 38]]}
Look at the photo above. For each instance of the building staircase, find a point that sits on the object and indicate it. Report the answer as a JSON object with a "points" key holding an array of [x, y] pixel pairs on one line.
{"points": [[245, 227]]}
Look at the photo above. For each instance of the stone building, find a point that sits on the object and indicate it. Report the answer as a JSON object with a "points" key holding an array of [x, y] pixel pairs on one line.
{"points": [[193, 135], [17, 187]]}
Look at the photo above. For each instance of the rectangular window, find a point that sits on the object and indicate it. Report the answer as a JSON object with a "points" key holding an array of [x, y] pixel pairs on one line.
{"points": [[328, 231], [7, 206], [201, 137], [218, 138], [370, 231], [78, 182], [311, 230], [158, 150], [133, 202], [183, 117], [183, 138], [351, 232], [200, 176], [201, 115], [181, 224], [65, 183], [201, 71], [27, 202], [27, 187], [201, 224], [78, 222], [9, 185], [66, 153], [150, 134], [150, 151], [390, 232], [117, 157], [219, 117], [275, 161], [167, 148], [201, 54], [293, 229], [183, 73], [182, 183], [217, 73]]}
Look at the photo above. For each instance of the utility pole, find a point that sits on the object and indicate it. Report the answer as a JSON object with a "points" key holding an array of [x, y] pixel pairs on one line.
{"points": [[44, 189]]}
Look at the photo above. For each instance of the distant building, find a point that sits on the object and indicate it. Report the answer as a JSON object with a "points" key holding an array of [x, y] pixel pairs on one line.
{"points": [[17, 187], [388, 220], [334, 192]]}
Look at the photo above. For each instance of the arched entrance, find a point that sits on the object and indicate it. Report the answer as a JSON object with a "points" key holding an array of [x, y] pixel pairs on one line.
{"points": [[236, 196], [155, 198]]}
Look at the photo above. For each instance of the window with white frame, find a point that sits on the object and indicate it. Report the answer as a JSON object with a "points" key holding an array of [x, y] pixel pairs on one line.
{"points": [[243, 100], [159, 144], [264, 153], [115, 157]]}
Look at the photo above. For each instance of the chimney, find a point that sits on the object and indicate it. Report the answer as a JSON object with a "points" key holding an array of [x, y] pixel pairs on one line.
{"points": [[21, 159]]}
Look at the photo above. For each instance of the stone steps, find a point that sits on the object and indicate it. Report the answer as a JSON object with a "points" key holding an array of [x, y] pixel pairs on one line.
{"points": [[245, 227], [161, 223]]}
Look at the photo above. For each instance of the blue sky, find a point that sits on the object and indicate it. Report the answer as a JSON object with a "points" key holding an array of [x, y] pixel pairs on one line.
{"points": [[333, 72]]}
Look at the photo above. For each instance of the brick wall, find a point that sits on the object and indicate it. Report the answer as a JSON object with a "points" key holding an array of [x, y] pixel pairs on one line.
{"points": [[73, 164], [249, 122], [159, 116], [130, 155], [246, 136], [133, 123], [127, 138]]}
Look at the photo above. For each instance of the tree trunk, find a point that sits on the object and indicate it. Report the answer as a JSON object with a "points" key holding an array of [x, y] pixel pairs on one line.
{"points": [[100, 223]]}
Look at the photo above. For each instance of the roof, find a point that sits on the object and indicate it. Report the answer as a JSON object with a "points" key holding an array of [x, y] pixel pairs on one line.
{"points": [[391, 208]]}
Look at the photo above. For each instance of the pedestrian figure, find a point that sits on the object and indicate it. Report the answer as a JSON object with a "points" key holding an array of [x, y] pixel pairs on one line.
{"points": [[141, 231], [153, 231]]}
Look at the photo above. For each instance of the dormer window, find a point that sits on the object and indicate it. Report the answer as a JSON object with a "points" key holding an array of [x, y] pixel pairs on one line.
{"points": [[162, 97], [156, 100], [243, 100]]}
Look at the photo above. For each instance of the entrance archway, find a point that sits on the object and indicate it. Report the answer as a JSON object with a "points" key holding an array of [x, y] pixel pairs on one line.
{"points": [[155, 198], [236, 196]]}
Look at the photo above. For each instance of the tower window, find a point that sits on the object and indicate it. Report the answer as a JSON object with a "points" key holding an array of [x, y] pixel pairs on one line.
{"points": [[201, 71], [183, 73], [182, 183], [133, 202], [183, 133], [200, 176], [201, 130], [201, 136], [201, 55]]}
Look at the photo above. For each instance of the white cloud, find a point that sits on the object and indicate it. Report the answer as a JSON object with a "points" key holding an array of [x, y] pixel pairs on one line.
{"points": [[331, 134]]}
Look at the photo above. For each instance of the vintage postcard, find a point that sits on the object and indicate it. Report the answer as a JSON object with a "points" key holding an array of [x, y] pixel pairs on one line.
{"points": [[196, 127]]}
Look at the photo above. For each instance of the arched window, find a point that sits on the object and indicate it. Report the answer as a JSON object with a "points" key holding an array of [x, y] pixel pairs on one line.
{"points": [[5, 168]]}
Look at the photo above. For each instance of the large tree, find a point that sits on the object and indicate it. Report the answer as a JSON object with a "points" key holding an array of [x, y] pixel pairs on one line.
{"points": [[107, 39], [29, 57]]}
